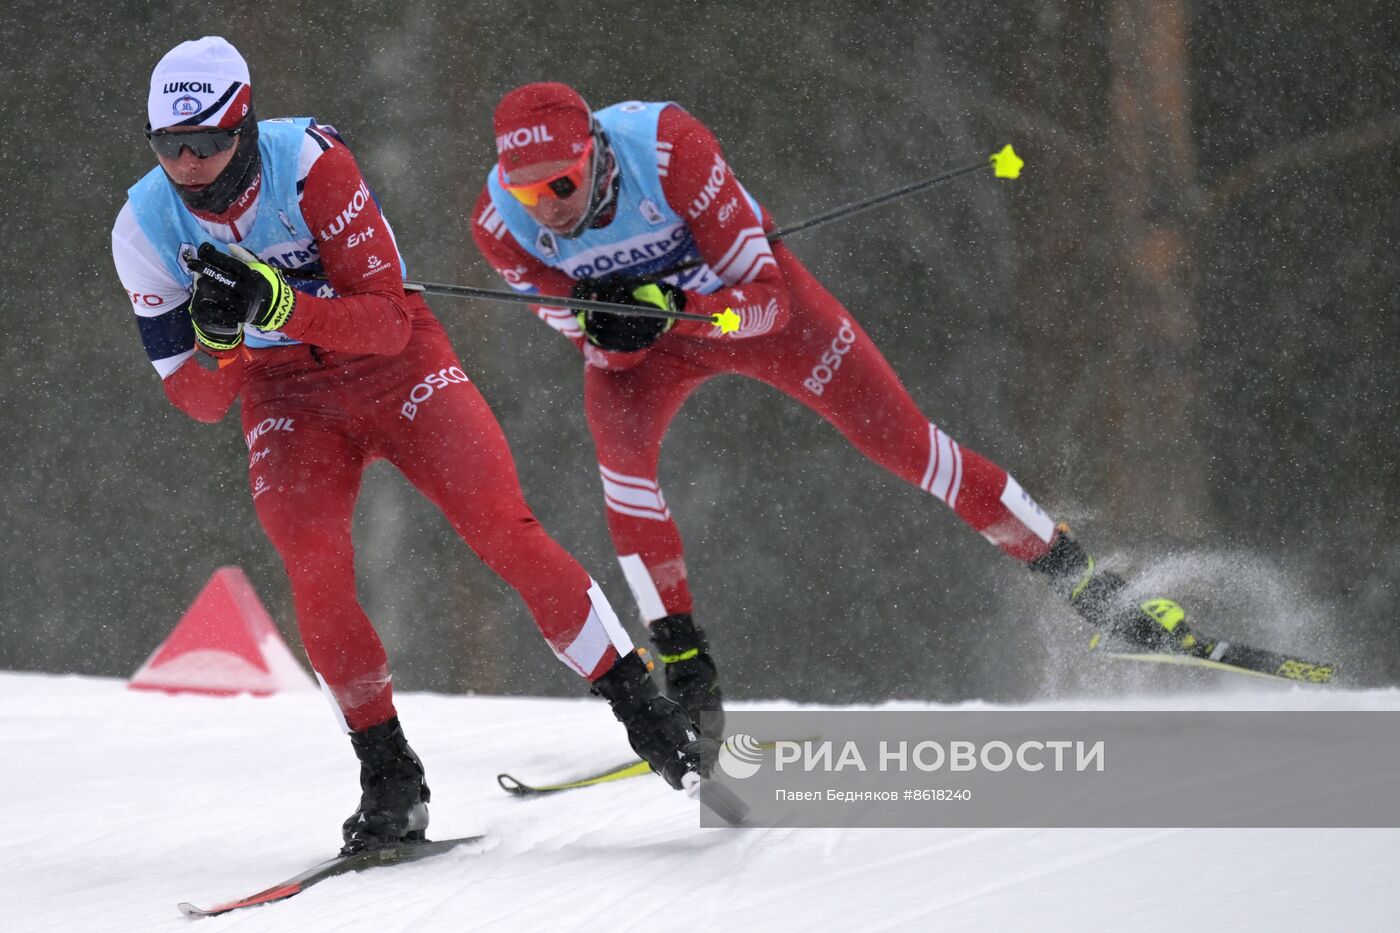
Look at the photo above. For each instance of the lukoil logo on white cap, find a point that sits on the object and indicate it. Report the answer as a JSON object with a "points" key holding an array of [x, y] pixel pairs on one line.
{"points": [[203, 82]]}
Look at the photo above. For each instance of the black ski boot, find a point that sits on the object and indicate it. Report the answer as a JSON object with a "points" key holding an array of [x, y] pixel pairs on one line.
{"points": [[691, 678], [1155, 625], [394, 802], [659, 730]]}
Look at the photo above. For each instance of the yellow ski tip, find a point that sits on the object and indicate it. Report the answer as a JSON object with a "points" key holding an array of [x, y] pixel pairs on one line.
{"points": [[1006, 163], [727, 321]]}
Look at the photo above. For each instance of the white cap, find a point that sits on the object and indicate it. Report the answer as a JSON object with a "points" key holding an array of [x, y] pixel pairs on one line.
{"points": [[203, 82]]}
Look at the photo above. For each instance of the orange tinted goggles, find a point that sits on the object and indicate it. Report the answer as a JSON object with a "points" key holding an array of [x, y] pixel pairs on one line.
{"points": [[560, 186]]}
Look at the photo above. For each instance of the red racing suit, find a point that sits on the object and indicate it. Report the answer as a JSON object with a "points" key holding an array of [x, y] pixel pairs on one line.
{"points": [[373, 378], [797, 338]]}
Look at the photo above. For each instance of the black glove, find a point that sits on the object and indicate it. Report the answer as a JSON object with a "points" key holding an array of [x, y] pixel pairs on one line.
{"points": [[230, 293], [625, 332]]}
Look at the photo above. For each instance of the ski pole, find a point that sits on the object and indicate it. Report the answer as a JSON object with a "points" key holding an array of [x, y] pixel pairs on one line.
{"points": [[727, 320], [1004, 164]]}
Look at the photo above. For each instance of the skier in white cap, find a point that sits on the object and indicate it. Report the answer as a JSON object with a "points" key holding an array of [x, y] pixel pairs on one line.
{"points": [[350, 370]]}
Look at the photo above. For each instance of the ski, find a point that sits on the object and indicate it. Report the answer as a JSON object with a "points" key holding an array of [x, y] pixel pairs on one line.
{"points": [[1233, 658], [627, 769], [340, 865], [718, 798]]}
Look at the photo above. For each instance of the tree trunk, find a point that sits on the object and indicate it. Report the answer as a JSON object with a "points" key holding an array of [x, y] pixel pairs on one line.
{"points": [[1158, 462]]}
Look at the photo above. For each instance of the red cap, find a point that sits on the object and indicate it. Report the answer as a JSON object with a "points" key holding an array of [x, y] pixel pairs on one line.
{"points": [[543, 122]]}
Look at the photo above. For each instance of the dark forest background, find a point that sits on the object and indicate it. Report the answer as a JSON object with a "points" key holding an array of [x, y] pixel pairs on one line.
{"points": [[1178, 329]]}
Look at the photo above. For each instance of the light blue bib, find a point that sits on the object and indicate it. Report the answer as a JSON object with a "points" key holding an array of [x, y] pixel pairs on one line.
{"points": [[279, 235]]}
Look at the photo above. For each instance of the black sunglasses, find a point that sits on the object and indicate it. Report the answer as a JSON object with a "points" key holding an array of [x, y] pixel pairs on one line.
{"points": [[562, 187], [203, 143]]}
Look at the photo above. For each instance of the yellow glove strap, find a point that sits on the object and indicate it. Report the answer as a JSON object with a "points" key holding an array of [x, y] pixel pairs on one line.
{"points": [[214, 343], [283, 298], [652, 294]]}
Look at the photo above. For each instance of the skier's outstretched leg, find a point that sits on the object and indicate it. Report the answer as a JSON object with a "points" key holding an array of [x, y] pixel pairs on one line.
{"points": [[827, 361]]}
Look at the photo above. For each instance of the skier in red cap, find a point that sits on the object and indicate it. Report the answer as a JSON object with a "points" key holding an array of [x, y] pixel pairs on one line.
{"points": [[606, 205], [350, 370]]}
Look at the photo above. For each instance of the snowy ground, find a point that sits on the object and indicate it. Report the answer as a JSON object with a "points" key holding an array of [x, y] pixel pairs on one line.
{"points": [[120, 803]]}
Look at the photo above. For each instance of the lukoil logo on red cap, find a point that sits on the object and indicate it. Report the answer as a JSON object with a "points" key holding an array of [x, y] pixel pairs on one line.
{"points": [[523, 137]]}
